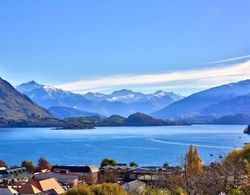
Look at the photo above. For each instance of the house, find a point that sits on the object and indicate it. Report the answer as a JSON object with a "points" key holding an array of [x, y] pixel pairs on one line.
{"points": [[8, 190], [118, 170], [85, 173], [151, 173], [41, 187], [1, 179], [65, 180], [17, 174]]}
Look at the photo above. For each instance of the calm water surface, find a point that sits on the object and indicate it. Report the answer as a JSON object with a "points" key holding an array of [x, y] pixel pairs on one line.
{"points": [[145, 145]]}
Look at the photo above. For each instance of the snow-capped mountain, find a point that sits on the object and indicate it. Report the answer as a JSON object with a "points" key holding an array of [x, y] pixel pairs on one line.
{"points": [[226, 99], [122, 102]]}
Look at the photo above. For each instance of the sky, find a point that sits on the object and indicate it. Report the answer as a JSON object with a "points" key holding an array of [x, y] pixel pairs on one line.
{"points": [[144, 45]]}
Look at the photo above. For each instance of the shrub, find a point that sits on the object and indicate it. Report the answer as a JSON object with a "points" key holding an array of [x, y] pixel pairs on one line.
{"points": [[101, 189]]}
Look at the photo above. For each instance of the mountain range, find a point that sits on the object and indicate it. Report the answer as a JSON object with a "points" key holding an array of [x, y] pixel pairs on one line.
{"points": [[123, 102], [36, 104], [229, 99]]}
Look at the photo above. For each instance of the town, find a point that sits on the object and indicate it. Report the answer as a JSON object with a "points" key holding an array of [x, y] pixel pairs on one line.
{"points": [[228, 176]]}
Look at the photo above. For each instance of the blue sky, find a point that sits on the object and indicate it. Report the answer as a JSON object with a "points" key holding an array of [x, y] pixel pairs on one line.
{"points": [[61, 42]]}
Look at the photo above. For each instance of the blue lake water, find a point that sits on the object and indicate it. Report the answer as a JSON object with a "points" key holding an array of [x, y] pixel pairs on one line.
{"points": [[144, 145]]}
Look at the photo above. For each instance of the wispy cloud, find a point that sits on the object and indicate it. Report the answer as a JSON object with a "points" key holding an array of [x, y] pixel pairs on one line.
{"points": [[191, 80], [246, 57]]}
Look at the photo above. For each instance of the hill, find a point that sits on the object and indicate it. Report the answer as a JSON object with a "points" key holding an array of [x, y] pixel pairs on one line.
{"points": [[14, 105], [66, 112], [209, 102], [17, 110], [137, 119], [238, 119]]}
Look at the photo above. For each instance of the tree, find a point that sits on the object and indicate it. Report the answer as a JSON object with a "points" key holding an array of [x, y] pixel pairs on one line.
{"points": [[193, 162], [133, 164], [28, 165], [43, 164], [3, 164], [108, 161], [166, 164]]}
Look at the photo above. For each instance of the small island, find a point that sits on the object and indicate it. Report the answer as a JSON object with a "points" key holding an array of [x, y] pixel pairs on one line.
{"points": [[247, 130], [136, 119]]}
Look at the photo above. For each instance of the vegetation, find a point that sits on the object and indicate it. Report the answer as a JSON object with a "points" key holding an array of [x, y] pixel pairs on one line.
{"points": [[3, 164], [108, 161], [166, 164], [43, 164], [28, 165], [193, 165], [137, 119], [133, 164], [155, 191], [101, 189]]}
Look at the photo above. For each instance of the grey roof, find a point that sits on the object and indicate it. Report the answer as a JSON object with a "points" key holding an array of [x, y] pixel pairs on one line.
{"points": [[76, 169]]}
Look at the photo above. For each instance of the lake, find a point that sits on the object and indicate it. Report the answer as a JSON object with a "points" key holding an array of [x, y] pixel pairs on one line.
{"points": [[144, 145]]}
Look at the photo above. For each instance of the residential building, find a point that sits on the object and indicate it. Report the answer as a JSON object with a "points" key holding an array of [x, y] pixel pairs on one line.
{"points": [[42, 187], [151, 173], [15, 174], [8, 190], [66, 180], [85, 173]]}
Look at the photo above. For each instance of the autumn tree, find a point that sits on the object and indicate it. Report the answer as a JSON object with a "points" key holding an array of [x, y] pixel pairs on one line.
{"points": [[3, 164], [28, 165], [43, 164], [193, 162]]}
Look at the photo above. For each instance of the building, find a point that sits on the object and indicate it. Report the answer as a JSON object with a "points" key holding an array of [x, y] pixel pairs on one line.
{"points": [[151, 173], [15, 174], [117, 170], [65, 180], [87, 174], [8, 190], [41, 187]]}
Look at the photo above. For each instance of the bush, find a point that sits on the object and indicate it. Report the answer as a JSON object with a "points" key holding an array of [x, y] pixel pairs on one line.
{"points": [[102, 189], [155, 191]]}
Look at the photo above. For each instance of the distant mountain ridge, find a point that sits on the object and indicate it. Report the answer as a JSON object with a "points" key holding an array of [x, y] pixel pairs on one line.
{"points": [[219, 101], [64, 112], [14, 105], [123, 102]]}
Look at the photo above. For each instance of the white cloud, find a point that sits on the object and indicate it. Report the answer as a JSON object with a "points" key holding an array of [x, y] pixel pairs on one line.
{"points": [[230, 59], [191, 80]]}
